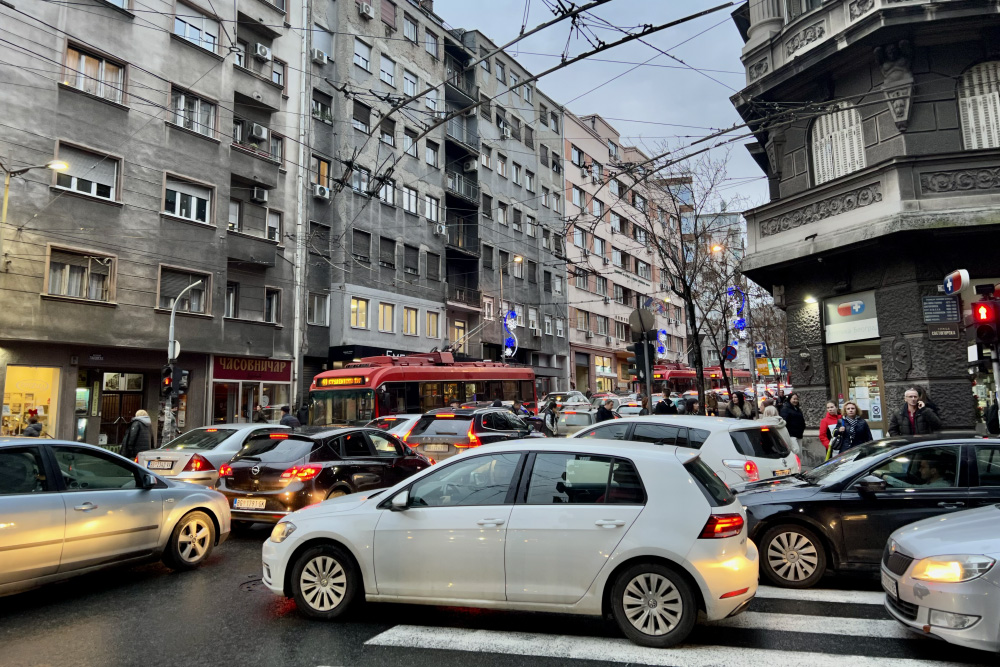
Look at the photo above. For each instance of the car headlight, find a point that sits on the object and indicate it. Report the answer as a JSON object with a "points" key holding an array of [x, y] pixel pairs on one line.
{"points": [[952, 569], [281, 531]]}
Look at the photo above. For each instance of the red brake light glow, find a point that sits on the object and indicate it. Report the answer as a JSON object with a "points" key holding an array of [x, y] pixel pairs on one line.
{"points": [[409, 431], [225, 470], [444, 415], [722, 525], [750, 468], [473, 438], [569, 412], [211, 430], [765, 429], [798, 461], [198, 463], [303, 474], [278, 436], [733, 594]]}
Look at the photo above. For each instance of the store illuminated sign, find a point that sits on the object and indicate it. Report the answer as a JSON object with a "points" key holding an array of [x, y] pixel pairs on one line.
{"points": [[241, 368]]}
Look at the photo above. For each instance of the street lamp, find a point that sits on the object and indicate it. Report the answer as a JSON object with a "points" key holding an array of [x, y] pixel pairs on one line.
{"points": [[717, 248], [516, 260], [54, 165]]}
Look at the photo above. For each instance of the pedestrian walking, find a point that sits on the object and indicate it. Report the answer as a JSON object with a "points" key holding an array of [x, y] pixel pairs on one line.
{"points": [[589, 394], [288, 419], [604, 412], [519, 409], [645, 406], [258, 415], [770, 411], [828, 424], [740, 407], [993, 418], [497, 403], [549, 419], [662, 407], [711, 403], [916, 417], [138, 437], [923, 396], [33, 429], [692, 407], [303, 413], [795, 421], [853, 429], [779, 400]]}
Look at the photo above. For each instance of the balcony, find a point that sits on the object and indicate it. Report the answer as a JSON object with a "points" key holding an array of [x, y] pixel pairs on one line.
{"points": [[457, 78], [459, 130], [464, 235], [463, 187], [253, 165], [255, 90], [247, 248], [460, 294]]}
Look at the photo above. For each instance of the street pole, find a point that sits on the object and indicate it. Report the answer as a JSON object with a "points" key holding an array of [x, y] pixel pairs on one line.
{"points": [[503, 342], [645, 357], [3, 218], [169, 424]]}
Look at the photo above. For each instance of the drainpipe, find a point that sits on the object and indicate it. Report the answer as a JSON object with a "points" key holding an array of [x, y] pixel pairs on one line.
{"points": [[298, 327]]}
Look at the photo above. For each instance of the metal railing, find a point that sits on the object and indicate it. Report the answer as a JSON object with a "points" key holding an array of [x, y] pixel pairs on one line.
{"points": [[459, 130], [463, 234], [466, 295], [455, 75], [463, 187]]}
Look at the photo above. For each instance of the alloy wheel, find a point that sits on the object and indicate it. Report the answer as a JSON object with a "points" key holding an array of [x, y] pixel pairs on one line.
{"points": [[323, 583], [652, 604], [792, 556], [194, 540]]}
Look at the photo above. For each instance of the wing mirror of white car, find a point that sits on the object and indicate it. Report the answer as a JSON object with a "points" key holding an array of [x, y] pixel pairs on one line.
{"points": [[400, 501], [870, 485], [148, 481]]}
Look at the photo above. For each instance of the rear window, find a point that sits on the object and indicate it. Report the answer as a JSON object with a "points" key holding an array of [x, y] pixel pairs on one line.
{"points": [[203, 438], [430, 425], [267, 450], [384, 423], [577, 419], [759, 442], [715, 490]]}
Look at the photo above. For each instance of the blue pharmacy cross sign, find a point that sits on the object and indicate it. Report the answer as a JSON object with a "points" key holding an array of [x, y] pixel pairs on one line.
{"points": [[760, 350], [730, 353]]}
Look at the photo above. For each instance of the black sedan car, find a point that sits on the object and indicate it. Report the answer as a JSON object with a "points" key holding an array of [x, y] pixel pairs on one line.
{"points": [[278, 473], [838, 516]]}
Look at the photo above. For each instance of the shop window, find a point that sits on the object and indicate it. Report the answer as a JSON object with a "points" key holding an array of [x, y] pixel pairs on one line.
{"points": [[30, 393]]}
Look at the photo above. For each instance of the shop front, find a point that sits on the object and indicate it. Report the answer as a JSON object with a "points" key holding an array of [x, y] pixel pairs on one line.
{"points": [[240, 384], [31, 393], [854, 355]]}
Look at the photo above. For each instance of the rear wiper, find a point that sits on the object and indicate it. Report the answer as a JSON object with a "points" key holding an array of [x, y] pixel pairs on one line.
{"points": [[249, 458]]}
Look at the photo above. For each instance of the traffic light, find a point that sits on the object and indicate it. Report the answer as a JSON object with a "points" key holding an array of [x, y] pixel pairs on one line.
{"points": [[984, 318], [167, 381], [637, 361], [182, 382]]}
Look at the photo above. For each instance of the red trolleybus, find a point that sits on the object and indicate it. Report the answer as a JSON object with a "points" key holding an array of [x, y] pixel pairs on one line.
{"points": [[684, 379], [379, 386]]}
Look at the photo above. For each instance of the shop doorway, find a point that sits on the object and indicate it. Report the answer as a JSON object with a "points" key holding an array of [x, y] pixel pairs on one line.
{"points": [[117, 411], [856, 373]]}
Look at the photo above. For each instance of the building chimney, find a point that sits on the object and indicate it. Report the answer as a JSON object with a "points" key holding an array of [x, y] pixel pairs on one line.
{"points": [[427, 5]]}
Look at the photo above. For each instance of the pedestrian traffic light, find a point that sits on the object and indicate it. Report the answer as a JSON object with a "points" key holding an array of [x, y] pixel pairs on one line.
{"points": [[984, 318], [182, 382], [637, 360], [167, 381]]}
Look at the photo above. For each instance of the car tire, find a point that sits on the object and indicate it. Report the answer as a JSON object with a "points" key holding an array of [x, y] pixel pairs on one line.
{"points": [[191, 542], [325, 582], [792, 556], [338, 492], [653, 605]]}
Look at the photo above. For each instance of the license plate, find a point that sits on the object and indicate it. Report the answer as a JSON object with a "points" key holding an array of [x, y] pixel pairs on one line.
{"points": [[890, 585], [249, 503], [159, 465], [435, 448], [782, 473]]}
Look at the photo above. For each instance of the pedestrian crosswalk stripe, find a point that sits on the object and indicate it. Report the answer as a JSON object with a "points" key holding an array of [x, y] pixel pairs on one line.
{"points": [[620, 650], [826, 625], [821, 595]]}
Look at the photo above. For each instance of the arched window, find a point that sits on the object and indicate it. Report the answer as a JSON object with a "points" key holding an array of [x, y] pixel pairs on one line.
{"points": [[838, 145], [979, 105]]}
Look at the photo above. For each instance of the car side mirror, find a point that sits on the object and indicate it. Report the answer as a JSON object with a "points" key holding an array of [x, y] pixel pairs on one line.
{"points": [[400, 501], [870, 485], [148, 481]]}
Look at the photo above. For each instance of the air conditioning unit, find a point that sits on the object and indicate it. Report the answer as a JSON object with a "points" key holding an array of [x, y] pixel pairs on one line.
{"points": [[440, 229], [258, 131], [607, 299], [608, 340], [590, 334], [606, 261], [319, 57], [366, 10], [258, 195], [321, 191], [584, 172], [536, 332], [505, 132], [595, 179], [470, 165], [261, 52], [470, 112]]}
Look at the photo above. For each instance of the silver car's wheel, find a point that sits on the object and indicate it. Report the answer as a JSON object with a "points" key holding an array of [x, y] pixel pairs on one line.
{"points": [[793, 557], [191, 541], [653, 605], [324, 582]]}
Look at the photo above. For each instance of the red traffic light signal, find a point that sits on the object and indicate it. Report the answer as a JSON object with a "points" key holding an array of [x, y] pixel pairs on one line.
{"points": [[984, 318], [984, 312]]}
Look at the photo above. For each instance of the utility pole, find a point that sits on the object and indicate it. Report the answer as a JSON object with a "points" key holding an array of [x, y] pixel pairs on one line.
{"points": [[173, 350]]}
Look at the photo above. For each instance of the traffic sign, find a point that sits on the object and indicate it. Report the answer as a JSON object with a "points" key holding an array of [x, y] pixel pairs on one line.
{"points": [[956, 281], [730, 353], [760, 350]]}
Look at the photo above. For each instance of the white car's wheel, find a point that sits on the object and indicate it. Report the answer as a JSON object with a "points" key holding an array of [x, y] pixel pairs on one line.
{"points": [[191, 542], [324, 582], [793, 557], [653, 605]]}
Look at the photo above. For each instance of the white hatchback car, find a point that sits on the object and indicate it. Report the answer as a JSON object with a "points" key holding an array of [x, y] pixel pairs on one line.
{"points": [[578, 527], [738, 450]]}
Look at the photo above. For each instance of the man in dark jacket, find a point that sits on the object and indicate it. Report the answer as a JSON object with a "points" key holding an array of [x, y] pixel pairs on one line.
{"points": [[34, 428], [287, 419], [138, 437], [662, 407], [604, 412], [916, 417]]}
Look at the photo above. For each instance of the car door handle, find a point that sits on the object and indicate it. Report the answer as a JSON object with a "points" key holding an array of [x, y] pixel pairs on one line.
{"points": [[950, 505], [609, 523], [490, 522], [86, 507]]}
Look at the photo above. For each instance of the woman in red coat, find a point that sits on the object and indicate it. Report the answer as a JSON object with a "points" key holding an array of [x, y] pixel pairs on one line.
{"points": [[829, 419]]}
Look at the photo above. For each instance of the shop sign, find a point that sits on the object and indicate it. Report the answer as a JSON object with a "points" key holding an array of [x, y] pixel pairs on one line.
{"points": [[940, 309], [240, 368], [851, 317], [942, 331]]}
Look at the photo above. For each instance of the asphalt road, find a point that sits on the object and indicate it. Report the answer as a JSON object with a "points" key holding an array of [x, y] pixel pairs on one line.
{"points": [[222, 614]]}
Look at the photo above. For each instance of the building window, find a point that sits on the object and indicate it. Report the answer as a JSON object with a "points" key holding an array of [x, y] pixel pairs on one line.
{"points": [[188, 200], [411, 260], [485, 108], [196, 27], [88, 173], [486, 158], [410, 142], [488, 308], [433, 266], [532, 271], [362, 118], [409, 321], [173, 282], [519, 314], [517, 269], [533, 319], [616, 222], [527, 94], [548, 325], [192, 112], [502, 165], [319, 171], [278, 149], [556, 203], [386, 317], [359, 313], [362, 55], [487, 251], [321, 107], [274, 226], [602, 286], [545, 197], [431, 153], [579, 197], [318, 310], [529, 181], [359, 180], [500, 72], [582, 280], [547, 281], [579, 238], [599, 246], [639, 202], [517, 220], [532, 227], [797, 8], [431, 99], [431, 43], [597, 208], [639, 234], [517, 174], [272, 305], [643, 270], [577, 156], [387, 71], [235, 215], [487, 206], [554, 122], [410, 199], [582, 320], [232, 307], [557, 284], [838, 145], [560, 327], [387, 193], [979, 105], [433, 320], [387, 252], [409, 83], [94, 74], [361, 246], [319, 238], [387, 132], [80, 275], [409, 28], [619, 293], [502, 213], [278, 72], [620, 331], [433, 206], [389, 14]]}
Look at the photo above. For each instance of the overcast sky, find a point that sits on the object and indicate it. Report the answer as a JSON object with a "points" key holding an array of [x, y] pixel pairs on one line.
{"points": [[634, 102]]}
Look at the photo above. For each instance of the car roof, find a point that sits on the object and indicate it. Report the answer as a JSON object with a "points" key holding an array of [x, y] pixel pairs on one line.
{"points": [[411, 415], [620, 448], [712, 424], [321, 432], [464, 412], [234, 427]]}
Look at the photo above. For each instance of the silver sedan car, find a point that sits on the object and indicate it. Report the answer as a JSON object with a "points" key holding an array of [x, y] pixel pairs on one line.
{"points": [[67, 508], [941, 577], [195, 456]]}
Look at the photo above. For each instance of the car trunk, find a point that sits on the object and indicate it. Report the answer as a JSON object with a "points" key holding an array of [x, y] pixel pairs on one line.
{"points": [[258, 466], [439, 435], [165, 461]]}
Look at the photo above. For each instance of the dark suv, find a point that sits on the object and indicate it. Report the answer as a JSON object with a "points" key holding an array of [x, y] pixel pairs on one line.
{"points": [[444, 432], [277, 473]]}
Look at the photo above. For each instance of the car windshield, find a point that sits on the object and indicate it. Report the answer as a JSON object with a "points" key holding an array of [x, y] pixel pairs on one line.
{"points": [[851, 462], [269, 450], [201, 438]]}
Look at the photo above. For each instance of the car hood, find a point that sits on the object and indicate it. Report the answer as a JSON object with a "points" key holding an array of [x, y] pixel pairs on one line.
{"points": [[780, 490], [334, 505], [968, 532]]}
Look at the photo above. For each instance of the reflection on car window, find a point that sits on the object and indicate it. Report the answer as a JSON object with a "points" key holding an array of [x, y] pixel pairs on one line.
{"points": [[853, 461], [482, 480], [568, 478], [200, 438], [21, 471], [85, 470], [612, 431], [933, 467], [655, 433], [988, 461], [383, 445], [355, 445]]}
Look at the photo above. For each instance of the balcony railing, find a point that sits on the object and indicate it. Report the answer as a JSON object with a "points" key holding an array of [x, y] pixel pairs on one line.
{"points": [[455, 75], [466, 295], [459, 130], [463, 187], [463, 234]]}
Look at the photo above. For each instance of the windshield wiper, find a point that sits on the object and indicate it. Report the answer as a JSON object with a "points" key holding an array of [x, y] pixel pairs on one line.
{"points": [[249, 458]]}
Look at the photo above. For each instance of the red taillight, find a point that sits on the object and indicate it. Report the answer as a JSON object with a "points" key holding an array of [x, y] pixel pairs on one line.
{"points": [[765, 429], [473, 438], [408, 432], [445, 415], [303, 474], [198, 463], [278, 436], [722, 525], [798, 461], [225, 470], [750, 468], [211, 430]]}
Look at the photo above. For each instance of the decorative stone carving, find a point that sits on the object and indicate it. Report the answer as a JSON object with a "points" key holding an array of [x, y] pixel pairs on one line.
{"points": [[806, 369], [804, 37], [960, 180], [775, 148], [825, 208], [758, 69], [859, 8], [902, 359], [897, 80]]}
